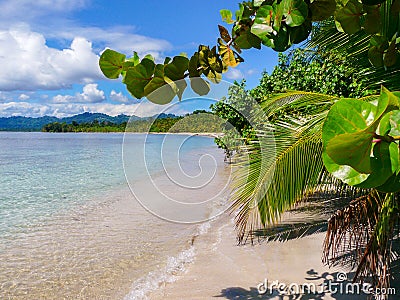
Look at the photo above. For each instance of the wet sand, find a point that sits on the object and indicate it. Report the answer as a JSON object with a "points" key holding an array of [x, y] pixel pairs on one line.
{"points": [[223, 270]]}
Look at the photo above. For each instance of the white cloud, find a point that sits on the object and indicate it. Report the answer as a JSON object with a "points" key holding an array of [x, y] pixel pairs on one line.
{"points": [[120, 38], [28, 109], [252, 71], [234, 74], [23, 97], [90, 94], [119, 97], [24, 9], [29, 64]]}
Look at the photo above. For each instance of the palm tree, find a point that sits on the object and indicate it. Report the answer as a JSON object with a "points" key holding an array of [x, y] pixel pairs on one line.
{"points": [[360, 234]]}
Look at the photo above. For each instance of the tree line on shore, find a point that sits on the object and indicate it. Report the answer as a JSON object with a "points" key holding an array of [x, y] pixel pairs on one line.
{"points": [[198, 121]]}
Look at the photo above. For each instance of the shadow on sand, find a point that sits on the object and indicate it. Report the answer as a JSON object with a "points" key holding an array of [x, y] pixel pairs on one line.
{"points": [[321, 281]]}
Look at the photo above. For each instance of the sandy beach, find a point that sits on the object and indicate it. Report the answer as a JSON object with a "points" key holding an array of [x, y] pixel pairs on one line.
{"points": [[223, 270]]}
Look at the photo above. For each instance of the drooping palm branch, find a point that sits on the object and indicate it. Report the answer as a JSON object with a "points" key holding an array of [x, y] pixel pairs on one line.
{"points": [[262, 192], [365, 235]]}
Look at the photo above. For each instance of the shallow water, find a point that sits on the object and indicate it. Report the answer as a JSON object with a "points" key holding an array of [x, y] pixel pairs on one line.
{"points": [[70, 226]]}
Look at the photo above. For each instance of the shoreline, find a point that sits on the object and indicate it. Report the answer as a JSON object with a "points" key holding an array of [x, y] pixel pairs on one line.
{"points": [[222, 269]]}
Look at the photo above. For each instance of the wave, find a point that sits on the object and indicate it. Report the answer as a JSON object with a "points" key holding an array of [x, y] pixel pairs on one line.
{"points": [[175, 266]]}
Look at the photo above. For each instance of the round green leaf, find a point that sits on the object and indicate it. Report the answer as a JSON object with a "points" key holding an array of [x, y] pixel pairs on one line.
{"points": [[281, 40], [295, 11], [199, 86], [345, 173], [299, 33], [391, 185], [111, 63], [390, 56], [137, 77], [349, 17], [384, 164], [375, 56], [346, 134], [322, 9]]}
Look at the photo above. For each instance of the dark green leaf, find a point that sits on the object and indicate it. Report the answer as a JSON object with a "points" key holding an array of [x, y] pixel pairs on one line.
{"points": [[390, 56], [349, 17], [200, 86], [322, 9], [372, 22], [384, 163], [111, 63], [295, 11], [138, 77]]}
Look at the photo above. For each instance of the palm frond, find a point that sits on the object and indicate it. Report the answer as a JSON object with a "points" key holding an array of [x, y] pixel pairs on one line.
{"points": [[262, 191], [362, 235]]}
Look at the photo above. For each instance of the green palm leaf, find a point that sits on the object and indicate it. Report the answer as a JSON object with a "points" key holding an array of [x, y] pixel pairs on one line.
{"points": [[266, 185]]}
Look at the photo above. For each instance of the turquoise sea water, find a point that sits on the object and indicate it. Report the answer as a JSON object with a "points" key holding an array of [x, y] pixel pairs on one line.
{"points": [[70, 226]]}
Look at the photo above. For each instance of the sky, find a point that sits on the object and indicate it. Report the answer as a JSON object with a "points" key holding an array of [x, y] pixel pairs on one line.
{"points": [[49, 52]]}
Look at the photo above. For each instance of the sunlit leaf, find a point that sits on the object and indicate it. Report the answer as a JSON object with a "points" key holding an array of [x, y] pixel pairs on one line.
{"points": [[295, 11], [111, 63], [226, 15]]}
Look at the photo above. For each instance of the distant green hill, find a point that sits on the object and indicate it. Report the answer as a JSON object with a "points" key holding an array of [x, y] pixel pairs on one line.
{"points": [[36, 124]]}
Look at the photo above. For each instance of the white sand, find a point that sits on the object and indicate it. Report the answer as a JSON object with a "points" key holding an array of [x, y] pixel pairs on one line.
{"points": [[223, 270]]}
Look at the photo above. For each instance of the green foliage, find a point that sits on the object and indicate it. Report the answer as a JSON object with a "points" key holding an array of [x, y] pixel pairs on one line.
{"points": [[197, 122], [361, 142], [329, 73], [236, 127], [276, 24], [94, 126]]}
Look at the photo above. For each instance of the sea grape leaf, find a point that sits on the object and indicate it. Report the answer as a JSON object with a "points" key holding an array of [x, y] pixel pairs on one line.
{"points": [[343, 172], [277, 15], [224, 33], [394, 123], [347, 136], [111, 63], [349, 17], [193, 66], [263, 21], [375, 56], [257, 3], [226, 15], [391, 185], [372, 22], [162, 95], [281, 40], [378, 45], [295, 11], [322, 9], [348, 120], [199, 86], [138, 77], [228, 56], [177, 67], [247, 40], [300, 33], [384, 163], [390, 56], [352, 149]]}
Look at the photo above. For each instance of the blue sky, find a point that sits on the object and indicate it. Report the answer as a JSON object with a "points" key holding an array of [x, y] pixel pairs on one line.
{"points": [[49, 51]]}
